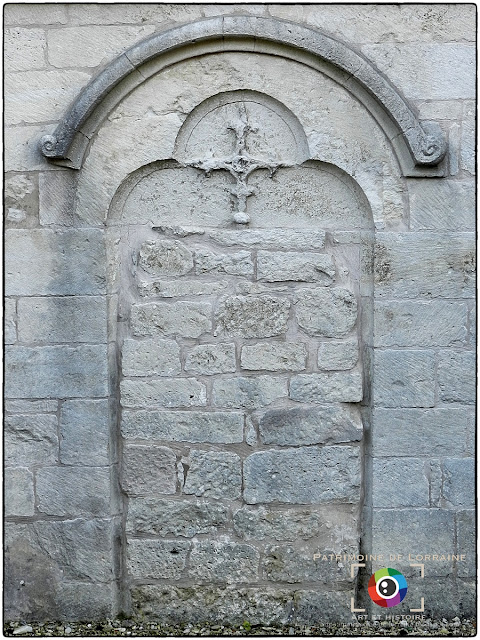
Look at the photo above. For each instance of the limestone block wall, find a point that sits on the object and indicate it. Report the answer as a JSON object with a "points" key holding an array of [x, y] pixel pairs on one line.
{"points": [[83, 523]]}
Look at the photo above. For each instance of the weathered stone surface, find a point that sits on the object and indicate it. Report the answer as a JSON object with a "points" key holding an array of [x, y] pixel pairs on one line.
{"points": [[390, 488], [327, 387], [93, 44], [431, 265], [183, 426], [148, 469], [150, 357], [322, 425], [253, 317], [213, 474], [442, 204], [79, 548], [19, 497], [404, 378], [161, 517], [423, 432], [24, 49], [218, 604], [62, 319], [224, 561], [10, 321], [466, 537], [235, 264], [303, 267], [468, 137], [248, 393], [296, 564], [298, 239], [168, 392], [420, 324], [30, 439], [31, 406], [338, 356], [180, 288], [459, 482], [329, 605], [188, 319], [274, 356], [57, 372], [85, 432], [428, 530], [131, 13], [303, 476], [165, 258], [18, 14], [154, 559], [456, 376], [208, 359], [326, 525], [46, 262], [326, 312], [57, 190], [73, 491], [21, 200]]}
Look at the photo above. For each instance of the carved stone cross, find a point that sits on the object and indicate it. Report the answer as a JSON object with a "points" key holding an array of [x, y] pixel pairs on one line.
{"points": [[240, 164]]}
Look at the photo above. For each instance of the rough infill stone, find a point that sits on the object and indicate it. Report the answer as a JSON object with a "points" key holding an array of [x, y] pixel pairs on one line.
{"points": [[56, 372], [303, 267], [274, 356], [73, 491], [150, 357], [30, 439], [326, 524], [180, 288], [294, 239], [153, 559], [248, 393], [327, 387], [79, 549], [227, 562], [186, 319], [326, 312], [323, 604], [420, 324], [303, 476], [253, 316], [293, 564], [148, 469], [169, 392], [85, 432], [165, 258], [338, 356], [19, 497], [235, 264], [420, 432], [65, 319], [161, 517], [459, 482], [466, 540], [390, 488], [322, 425], [216, 604], [213, 474], [45, 262], [208, 359], [404, 378], [184, 426], [456, 376]]}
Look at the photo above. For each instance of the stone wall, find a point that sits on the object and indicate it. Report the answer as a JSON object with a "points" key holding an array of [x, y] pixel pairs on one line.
{"points": [[170, 373]]}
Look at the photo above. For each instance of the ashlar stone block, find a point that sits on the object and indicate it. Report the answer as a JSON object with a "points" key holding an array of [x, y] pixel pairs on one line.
{"points": [[303, 476], [208, 359], [327, 387], [168, 392], [30, 439], [73, 491], [274, 356], [21, 200], [248, 393], [85, 432], [10, 321], [148, 469], [326, 312], [459, 482], [456, 376], [19, 495], [404, 378], [303, 267], [213, 474], [183, 318], [252, 316], [389, 487], [150, 357], [165, 258]]}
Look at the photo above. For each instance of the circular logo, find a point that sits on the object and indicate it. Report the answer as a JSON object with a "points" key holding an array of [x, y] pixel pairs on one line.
{"points": [[387, 587]]}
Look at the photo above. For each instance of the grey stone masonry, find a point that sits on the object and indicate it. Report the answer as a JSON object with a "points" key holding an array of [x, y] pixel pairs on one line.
{"points": [[208, 359], [253, 317], [168, 392], [212, 474], [338, 355], [165, 258], [274, 356], [148, 470], [226, 562], [306, 267], [329, 312], [189, 319], [85, 432], [150, 357]]}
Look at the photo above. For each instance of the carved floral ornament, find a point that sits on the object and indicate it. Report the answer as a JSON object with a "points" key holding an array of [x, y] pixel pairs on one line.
{"points": [[419, 146]]}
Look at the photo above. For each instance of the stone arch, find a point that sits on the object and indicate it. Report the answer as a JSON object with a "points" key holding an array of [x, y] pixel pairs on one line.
{"points": [[419, 146]]}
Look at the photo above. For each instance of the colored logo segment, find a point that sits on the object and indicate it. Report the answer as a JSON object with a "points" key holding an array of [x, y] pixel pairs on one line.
{"points": [[387, 587]]}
